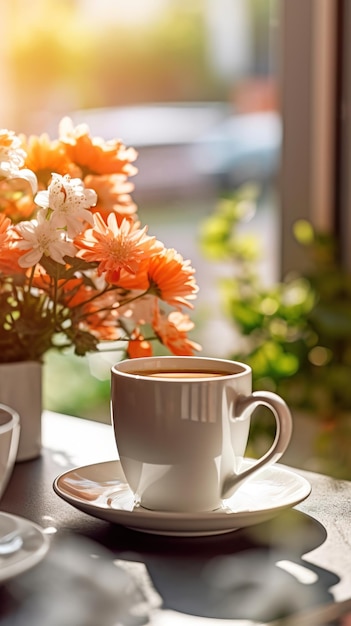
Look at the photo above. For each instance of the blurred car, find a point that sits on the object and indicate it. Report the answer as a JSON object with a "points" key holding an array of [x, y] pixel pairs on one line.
{"points": [[244, 147], [190, 147], [151, 125]]}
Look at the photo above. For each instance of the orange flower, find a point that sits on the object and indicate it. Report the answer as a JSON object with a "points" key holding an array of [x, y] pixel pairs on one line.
{"points": [[76, 293], [166, 275], [44, 282], [94, 313], [139, 281], [116, 247], [9, 254], [5, 224], [171, 278], [138, 346], [9, 261], [94, 155], [18, 209], [113, 195], [90, 273], [98, 315], [15, 201], [45, 157], [102, 324], [172, 332], [69, 292]]}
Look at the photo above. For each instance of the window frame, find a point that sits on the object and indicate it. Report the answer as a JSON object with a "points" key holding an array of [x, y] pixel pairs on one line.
{"points": [[343, 136], [309, 89]]}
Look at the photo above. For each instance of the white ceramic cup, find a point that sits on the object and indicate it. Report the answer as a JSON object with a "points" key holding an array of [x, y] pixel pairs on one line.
{"points": [[181, 438], [9, 438]]}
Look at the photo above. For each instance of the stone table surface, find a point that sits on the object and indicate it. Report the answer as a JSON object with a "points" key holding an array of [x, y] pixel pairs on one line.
{"points": [[97, 573]]}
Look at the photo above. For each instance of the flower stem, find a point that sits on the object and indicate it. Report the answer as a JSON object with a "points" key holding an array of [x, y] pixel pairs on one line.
{"points": [[30, 281], [108, 308]]}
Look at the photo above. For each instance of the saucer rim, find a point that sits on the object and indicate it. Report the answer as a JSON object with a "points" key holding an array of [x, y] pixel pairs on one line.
{"points": [[211, 522], [13, 565]]}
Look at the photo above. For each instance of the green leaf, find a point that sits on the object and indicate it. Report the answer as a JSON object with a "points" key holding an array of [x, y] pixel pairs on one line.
{"points": [[214, 236], [59, 271]]}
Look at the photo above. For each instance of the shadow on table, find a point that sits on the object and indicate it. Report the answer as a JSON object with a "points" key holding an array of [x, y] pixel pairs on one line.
{"points": [[77, 584], [254, 574], [257, 574]]}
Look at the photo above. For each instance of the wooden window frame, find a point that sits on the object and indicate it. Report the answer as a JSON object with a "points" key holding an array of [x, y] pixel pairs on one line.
{"points": [[309, 78]]}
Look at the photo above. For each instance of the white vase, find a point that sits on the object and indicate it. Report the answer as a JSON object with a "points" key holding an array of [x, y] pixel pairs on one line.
{"points": [[21, 388]]}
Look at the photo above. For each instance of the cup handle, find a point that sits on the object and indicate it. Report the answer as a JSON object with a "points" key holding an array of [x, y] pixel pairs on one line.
{"points": [[281, 441]]}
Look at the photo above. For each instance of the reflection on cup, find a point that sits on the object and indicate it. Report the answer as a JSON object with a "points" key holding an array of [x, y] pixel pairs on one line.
{"points": [[182, 425]]}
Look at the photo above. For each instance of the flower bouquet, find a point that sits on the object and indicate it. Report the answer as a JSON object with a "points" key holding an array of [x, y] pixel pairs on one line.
{"points": [[76, 267]]}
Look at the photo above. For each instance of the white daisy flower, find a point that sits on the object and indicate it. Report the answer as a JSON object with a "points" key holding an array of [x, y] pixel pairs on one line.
{"points": [[41, 237], [69, 202]]}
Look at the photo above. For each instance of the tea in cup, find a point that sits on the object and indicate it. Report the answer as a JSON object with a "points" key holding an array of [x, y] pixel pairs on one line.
{"points": [[181, 426], [9, 438]]}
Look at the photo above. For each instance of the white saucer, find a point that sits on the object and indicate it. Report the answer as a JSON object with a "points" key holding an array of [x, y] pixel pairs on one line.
{"points": [[22, 545], [101, 490]]}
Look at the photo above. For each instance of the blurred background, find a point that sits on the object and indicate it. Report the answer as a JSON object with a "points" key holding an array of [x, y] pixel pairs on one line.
{"points": [[183, 83], [214, 95]]}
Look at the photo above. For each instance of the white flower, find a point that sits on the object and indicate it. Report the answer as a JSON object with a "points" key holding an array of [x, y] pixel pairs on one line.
{"points": [[12, 158], [42, 237], [69, 133], [69, 202]]}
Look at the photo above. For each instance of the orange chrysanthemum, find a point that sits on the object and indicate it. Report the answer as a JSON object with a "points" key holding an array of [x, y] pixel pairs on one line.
{"points": [[45, 157], [116, 247], [93, 154], [172, 279], [98, 315], [172, 331], [113, 194], [9, 254], [9, 261], [18, 209], [5, 224], [75, 293], [166, 275], [137, 282], [138, 346], [102, 324], [92, 274], [15, 201]]}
